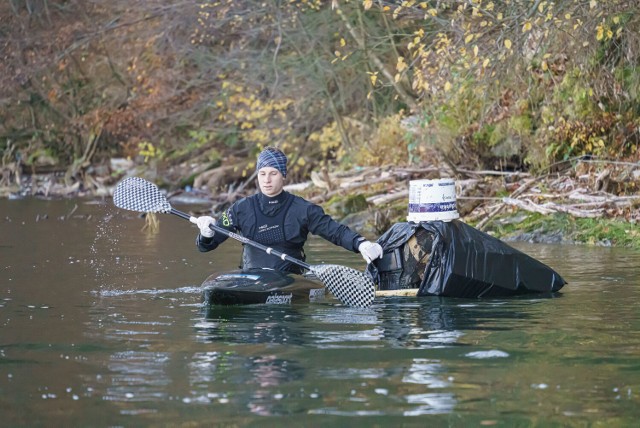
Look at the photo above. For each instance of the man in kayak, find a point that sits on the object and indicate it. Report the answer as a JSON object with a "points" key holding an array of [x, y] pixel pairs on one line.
{"points": [[280, 220]]}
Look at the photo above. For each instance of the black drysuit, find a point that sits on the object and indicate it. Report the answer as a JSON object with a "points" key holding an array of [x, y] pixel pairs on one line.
{"points": [[283, 223]]}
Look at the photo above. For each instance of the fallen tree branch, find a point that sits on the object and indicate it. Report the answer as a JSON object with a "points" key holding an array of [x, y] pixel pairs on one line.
{"points": [[387, 197], [526, 186], [550, 208], [350, 186]]}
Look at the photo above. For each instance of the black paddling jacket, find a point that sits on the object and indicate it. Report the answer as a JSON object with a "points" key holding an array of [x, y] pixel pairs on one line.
{"points": [[282, 223]]}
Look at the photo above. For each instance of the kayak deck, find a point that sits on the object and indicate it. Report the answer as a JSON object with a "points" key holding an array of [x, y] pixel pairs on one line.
{"points": [[266, 286], [256, 286]]}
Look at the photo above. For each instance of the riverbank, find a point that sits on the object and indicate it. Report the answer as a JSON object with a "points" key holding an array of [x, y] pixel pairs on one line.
{"points": [[586, 201]]}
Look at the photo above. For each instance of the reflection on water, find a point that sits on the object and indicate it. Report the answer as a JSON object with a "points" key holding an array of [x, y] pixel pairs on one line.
{"points": [[104, 321]]}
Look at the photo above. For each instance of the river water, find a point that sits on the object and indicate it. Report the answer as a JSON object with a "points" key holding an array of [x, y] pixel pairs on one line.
{"points": [[101, 325]]}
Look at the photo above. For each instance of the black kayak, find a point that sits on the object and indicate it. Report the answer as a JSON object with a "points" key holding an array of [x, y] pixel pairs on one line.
{"points": [[255, 286]]}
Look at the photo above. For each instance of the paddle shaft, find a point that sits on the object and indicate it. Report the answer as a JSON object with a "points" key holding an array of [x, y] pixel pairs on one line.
{"points": [[244, 240]]}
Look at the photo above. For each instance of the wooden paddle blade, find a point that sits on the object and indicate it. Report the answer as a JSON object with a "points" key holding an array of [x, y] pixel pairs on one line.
{"points": [[138, 194], [350, 286]]}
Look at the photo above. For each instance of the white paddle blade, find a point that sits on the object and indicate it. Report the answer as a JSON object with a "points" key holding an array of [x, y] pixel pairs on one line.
{"points": [[350, 286], [138, 194]]}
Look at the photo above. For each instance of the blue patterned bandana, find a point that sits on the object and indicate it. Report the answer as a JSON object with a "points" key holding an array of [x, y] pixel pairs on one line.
{"points": [[274, 158]]}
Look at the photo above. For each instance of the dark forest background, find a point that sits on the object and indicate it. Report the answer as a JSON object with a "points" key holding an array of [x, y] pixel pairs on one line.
{"points": [[181, 87]]}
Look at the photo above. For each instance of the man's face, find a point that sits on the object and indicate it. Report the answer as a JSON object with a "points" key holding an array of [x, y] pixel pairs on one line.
{"points": [[271, 181]]}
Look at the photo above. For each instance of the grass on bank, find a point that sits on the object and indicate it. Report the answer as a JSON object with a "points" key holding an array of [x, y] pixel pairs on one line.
{"points": [[590, 231]]}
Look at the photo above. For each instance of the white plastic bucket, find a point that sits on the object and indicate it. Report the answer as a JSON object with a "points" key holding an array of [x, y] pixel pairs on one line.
{"points": [[432, 200]]}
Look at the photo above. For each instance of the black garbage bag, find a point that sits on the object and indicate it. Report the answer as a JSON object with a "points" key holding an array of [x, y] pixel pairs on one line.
{"points": [[454, 259]]}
